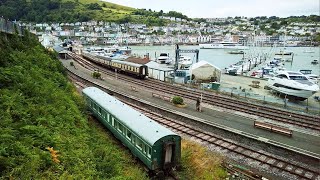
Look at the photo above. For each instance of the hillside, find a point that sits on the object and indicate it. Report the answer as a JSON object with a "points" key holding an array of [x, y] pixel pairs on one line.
{"points": [[79, 11], [40, 108]]}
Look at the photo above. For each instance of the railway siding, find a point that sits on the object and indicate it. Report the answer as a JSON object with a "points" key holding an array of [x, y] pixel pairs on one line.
{"points": [[157, 109]]}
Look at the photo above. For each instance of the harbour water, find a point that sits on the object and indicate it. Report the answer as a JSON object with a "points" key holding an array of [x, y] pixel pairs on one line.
{"points": [[222, 59]]}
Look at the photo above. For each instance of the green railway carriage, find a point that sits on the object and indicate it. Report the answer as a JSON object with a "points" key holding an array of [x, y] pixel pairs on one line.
{"points": [[156, 146]]}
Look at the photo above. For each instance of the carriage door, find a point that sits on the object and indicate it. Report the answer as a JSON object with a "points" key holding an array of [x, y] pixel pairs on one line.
{"points": [[168, 153], [143, 71]]}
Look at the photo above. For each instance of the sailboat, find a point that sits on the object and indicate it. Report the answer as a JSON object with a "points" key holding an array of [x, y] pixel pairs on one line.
{"points": [[284, 55]]}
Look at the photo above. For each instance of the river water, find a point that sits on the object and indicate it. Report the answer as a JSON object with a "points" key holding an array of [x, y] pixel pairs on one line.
{"points": [[222, 59]]}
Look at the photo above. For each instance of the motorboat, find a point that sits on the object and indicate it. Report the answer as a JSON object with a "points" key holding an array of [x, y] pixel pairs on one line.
{"points": [[236, 52], [313, 77], [184, 62], [223, 45], [315, 62], [264, 72], [125, 50], [293, 84], [284, 53], [164, 58]]}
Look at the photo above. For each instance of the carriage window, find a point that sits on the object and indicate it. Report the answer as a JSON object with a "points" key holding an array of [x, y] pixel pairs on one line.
{"points": [[139, 144], [144, 148], [149, 152], [100, 110], [128, 135], [91, 104], [95, 106], [133, 139], [120, 127], [108, 117], [112, 121]]}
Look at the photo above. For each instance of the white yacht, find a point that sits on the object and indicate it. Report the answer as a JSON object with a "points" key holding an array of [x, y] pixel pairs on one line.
{"points": [[184, 62], [293, 84], [100, 51], [313, 77], [223, 45], [164, 59]]}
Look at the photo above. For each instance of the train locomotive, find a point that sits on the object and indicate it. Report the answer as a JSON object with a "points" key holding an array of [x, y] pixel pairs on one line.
{"points": [[156, 146], [138, 70]]}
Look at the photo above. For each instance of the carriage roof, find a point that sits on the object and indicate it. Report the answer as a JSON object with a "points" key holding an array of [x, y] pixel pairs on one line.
{"points": [[149, 130]]}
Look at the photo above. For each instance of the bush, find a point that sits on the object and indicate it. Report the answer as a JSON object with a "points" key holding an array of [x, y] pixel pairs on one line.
{"points": [[96, 75], [177, 100]]}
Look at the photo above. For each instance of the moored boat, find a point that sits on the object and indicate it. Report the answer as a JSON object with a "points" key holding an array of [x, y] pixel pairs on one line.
{"points": [[236, 52], [293, 84], [164, 59], [223, 45], [184, 62]]}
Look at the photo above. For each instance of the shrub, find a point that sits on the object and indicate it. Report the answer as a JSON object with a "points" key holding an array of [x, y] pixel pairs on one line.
{"points": [[177, 100], [71, 63], [96, 75]]}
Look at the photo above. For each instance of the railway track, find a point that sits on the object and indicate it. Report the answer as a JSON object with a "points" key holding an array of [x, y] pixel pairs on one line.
{"points": [[269, 162], [279, 115]]}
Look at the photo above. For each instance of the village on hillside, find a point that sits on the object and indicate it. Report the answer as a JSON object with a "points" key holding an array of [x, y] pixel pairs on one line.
{"points": [[247, 31]]}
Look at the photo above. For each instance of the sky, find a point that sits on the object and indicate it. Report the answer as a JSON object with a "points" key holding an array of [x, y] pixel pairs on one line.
{"points": [[229, 8]]}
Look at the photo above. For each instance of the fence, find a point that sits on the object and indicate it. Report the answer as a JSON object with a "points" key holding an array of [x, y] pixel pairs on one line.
{"points": [[309, 105], [10, 27]]}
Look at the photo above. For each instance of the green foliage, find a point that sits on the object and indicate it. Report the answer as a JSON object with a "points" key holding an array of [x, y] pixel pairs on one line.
{"points": [[317, 37], [198, 163], [96, 75], [177, 100], [94, 6], [176, 15], [79, 11], [40, 109]]}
